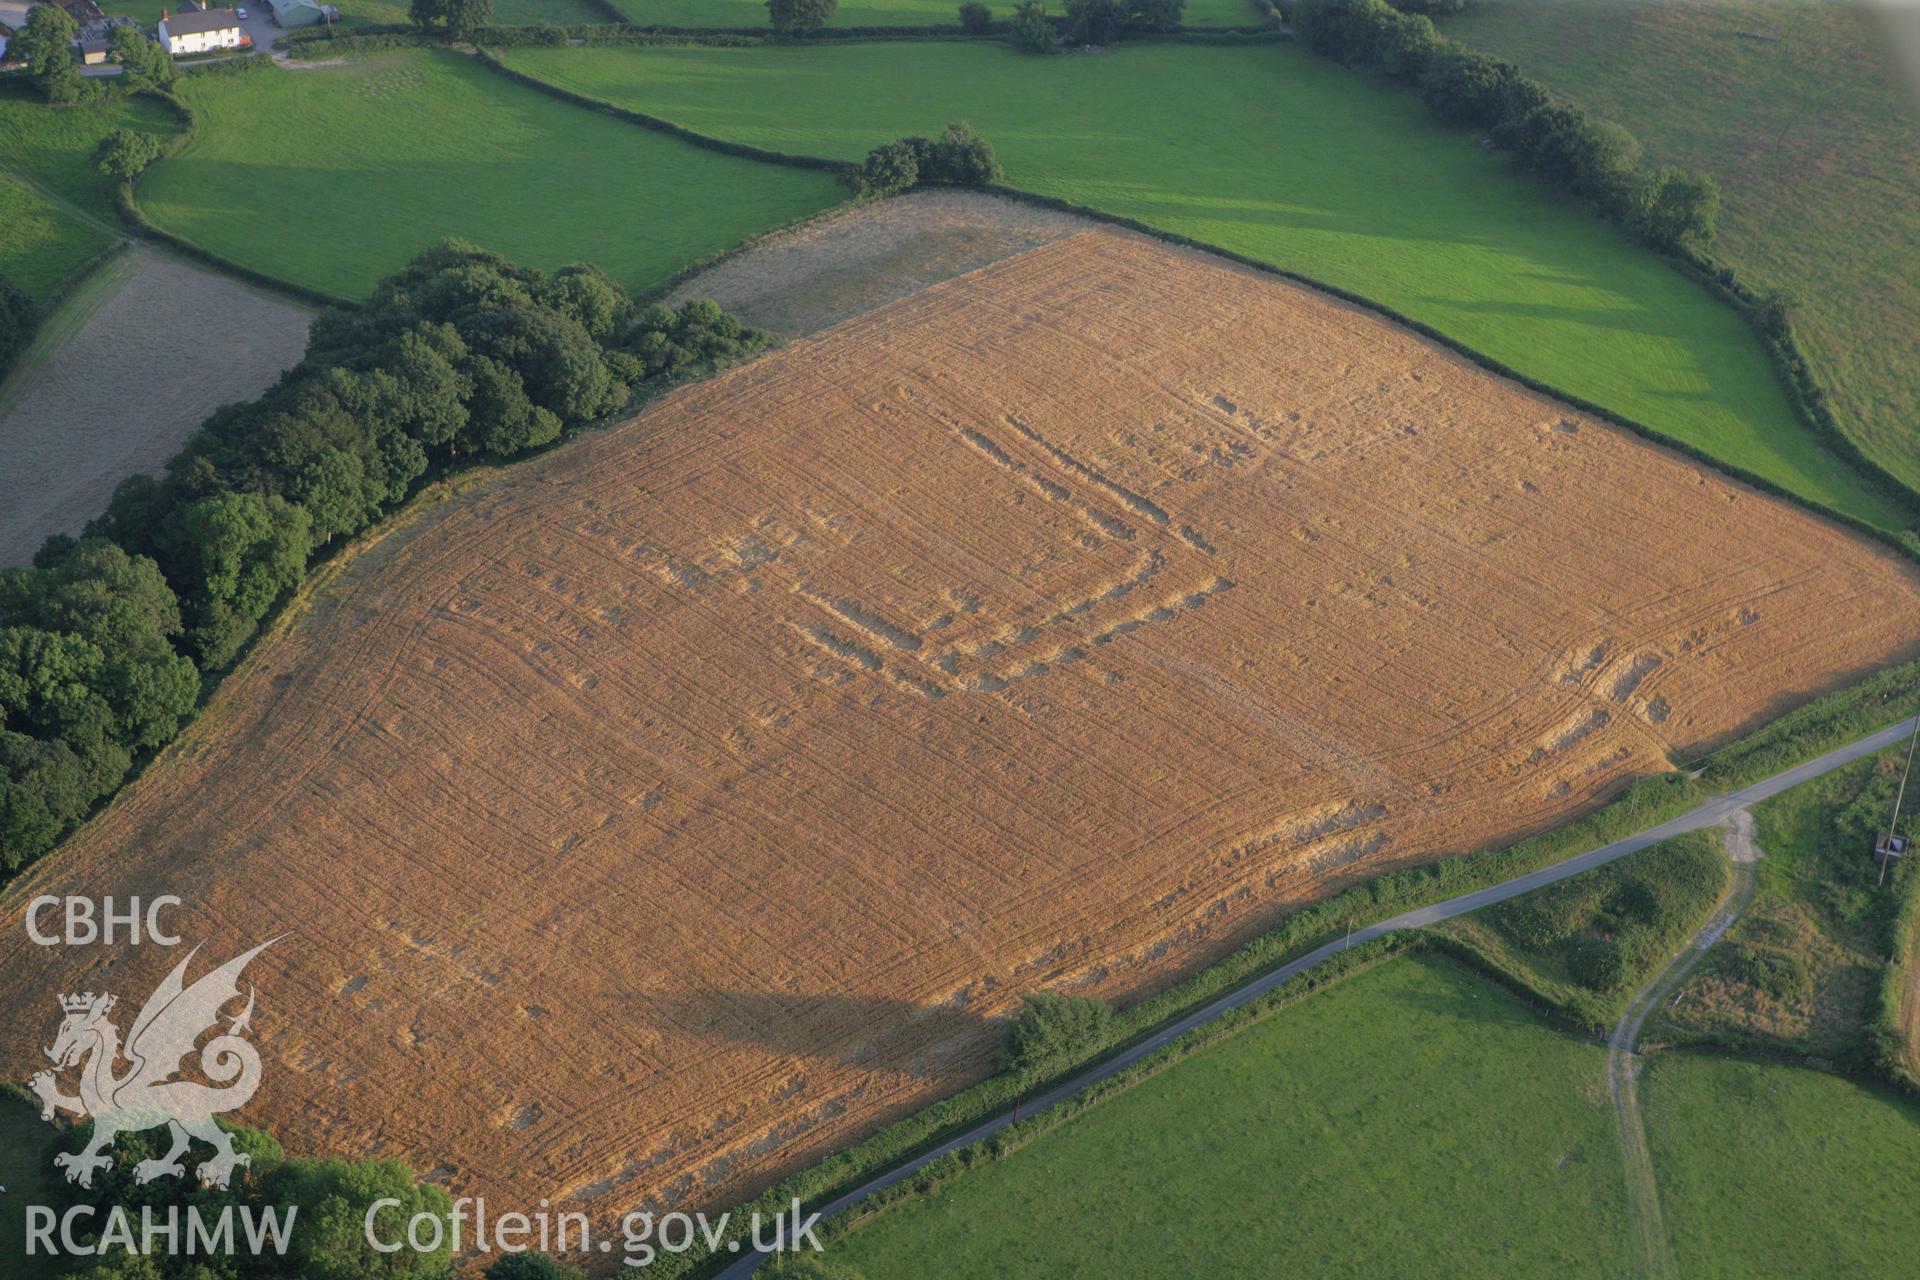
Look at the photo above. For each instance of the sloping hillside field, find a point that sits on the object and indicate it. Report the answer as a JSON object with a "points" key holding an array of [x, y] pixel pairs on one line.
{"points": [[691, 801]]}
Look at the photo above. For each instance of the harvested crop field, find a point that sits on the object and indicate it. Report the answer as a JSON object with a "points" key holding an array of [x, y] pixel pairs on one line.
{"points": [[676, 808], [120, 378], [805, 279]]}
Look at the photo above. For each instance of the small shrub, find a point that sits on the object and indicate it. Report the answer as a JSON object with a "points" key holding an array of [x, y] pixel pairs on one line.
{"points": [[961, 156], [1032, 31], [1598, 965], [1054, 1032], [1780, 974], [126, 153], [889, 168], [797, 17], [975, 18]]}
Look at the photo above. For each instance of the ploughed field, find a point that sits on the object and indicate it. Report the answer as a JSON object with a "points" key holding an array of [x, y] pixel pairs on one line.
{"points": [[679, 807]]}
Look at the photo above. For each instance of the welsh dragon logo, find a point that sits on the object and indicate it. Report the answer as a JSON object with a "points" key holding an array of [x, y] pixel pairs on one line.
{"points": [[170, 1025]]}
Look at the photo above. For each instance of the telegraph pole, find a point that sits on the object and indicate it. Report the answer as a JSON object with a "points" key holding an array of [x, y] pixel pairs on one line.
{"points": [[1893, 822]]}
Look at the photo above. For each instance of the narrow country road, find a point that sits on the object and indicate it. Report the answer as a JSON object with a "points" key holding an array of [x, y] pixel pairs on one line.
{"points": [[1623, 1066], [1710, 813]]}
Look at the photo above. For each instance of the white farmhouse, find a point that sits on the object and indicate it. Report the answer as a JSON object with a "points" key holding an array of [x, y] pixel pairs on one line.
{"points": [[200, 31]]}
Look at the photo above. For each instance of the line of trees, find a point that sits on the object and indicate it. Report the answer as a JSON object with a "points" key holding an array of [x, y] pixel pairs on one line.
{"points": [[1088, 22], [959, 157], [461, 355], [1594, 159], [458, 19]]}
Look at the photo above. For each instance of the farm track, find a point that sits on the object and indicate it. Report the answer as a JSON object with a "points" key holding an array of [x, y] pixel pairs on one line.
{"points": [[682, 806], [1730, 810], [1645, 1219]]}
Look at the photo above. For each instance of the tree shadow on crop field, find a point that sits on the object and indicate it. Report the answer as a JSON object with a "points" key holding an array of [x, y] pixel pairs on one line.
{"points": [[880, 1032]]}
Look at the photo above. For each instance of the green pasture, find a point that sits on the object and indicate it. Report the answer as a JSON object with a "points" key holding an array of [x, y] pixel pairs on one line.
{"points": [[1414, 1116], [42, 246], [887, 13], [1802, 113], [54, 147], [1775, 1170], [56, 209], [1289, 159], [395, 151]]}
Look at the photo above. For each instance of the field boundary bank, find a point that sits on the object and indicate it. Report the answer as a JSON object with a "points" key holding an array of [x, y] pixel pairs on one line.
{"points": [[1646, 813], [1905, 541]]}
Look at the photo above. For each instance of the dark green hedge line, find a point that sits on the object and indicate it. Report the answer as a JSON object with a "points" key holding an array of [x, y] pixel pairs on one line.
{"points": [[1887, 1035], [1770, 319], [21, 317], [1827, 722], [150, 230], [645, 121], [1903, 541], [19, 321]]}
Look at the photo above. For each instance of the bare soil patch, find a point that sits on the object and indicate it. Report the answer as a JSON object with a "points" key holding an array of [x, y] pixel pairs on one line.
{"points": [[801, 281], [683, 805], [117, 383]]}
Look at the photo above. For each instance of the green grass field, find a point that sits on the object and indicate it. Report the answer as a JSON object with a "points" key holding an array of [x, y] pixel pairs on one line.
{"points": [[1410, 1118], [42, 246], [1770, 1170], [1296, 162], [394, 151], [56, 209], [885, 13], [1814, 138], [54, 146]]}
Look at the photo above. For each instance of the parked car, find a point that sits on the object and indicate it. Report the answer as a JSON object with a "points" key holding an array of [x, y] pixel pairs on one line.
{"points": [[240, 14]]}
